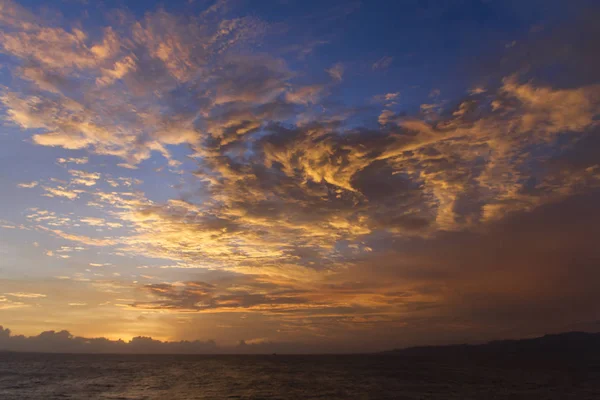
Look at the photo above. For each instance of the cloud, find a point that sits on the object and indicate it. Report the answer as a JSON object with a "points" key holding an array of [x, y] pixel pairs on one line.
{"points": [[477, 90], [383, 63], [336, 72], [26, 295], [304, 189], [61, 61], [389, 100], [386, 116], [61, 191], [84, 178], [6, 304], [79, 238], [204, 297], [305, 95], [28, 185], [64, 342], [73, 160]]}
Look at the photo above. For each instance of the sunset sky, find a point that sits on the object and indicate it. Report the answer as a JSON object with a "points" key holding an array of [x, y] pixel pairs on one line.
{"points": [[329, 175]]}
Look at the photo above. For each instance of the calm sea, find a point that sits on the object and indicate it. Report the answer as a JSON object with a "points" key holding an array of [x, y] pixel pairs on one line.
{"points": [[47, 377]]}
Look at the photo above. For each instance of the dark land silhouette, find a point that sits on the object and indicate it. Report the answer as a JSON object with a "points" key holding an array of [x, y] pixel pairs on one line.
{"points": [[562, 345]]}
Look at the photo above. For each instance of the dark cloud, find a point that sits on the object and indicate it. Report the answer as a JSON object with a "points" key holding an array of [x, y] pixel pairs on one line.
{"points": [[201, 296], [528, 274], [64, 342]]}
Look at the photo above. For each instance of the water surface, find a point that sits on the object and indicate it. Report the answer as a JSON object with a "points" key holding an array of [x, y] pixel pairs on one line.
{"points": [[62, 376]]}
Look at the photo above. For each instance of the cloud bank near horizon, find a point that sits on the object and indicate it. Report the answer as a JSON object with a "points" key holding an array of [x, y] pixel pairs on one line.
{"points": [[64, 342]]}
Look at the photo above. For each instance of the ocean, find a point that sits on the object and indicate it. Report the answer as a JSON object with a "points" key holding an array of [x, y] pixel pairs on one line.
{"points": [[67, 376]]}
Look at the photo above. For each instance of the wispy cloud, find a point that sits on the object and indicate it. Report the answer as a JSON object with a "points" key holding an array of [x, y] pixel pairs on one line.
{"points": [[26, 295], [383, 63], [337, 72]]}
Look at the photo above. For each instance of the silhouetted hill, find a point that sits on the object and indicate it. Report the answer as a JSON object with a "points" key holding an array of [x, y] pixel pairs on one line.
{"points": [[570, 345]]}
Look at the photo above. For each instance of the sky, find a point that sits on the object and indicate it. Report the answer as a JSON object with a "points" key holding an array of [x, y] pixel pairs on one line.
{"points": [[299, 176]]}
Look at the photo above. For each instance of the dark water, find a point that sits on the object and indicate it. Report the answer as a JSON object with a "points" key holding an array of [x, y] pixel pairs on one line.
{"points": [[37, 376]]}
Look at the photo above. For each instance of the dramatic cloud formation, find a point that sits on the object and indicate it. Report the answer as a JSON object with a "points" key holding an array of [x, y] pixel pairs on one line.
{"points": [[203, 183]]}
